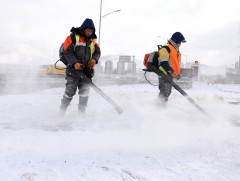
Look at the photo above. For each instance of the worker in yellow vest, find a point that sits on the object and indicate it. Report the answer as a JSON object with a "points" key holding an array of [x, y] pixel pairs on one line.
{"points": [[170, 65]]}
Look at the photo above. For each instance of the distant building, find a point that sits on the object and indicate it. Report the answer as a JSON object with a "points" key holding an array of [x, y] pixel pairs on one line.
{"points": [[195, 67], [125, 58], [233, 74], [131, 67], [121, 67], [108, 67]]}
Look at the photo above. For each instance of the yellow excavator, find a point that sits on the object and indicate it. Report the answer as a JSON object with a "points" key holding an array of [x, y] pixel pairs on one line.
{"points": [[52, 70]]}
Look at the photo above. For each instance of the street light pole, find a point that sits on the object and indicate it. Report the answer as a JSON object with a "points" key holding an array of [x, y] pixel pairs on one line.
{"points": [[100, 20]]}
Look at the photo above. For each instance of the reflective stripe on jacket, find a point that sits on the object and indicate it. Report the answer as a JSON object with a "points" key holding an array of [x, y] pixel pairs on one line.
{"points": [[82, 51], [81, 42]]}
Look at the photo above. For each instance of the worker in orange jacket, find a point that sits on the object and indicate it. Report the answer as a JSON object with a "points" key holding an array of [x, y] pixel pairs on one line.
{"points": [[170, 65]]}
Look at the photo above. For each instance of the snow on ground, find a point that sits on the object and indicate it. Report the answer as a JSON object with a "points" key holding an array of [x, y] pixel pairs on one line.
{"points": [[143, 144]]}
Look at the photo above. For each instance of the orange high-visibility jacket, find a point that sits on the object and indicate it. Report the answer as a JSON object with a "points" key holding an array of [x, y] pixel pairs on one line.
{"points": [[175, 59], [170, 59]]}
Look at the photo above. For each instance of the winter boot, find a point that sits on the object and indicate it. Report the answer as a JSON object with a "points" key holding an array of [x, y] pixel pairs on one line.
{"points": [[65, 102], [82, 104], [162, 101]]}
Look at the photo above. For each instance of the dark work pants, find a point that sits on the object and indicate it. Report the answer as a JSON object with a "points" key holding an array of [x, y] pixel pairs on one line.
{"points": [[165, 91], [74, 83]]}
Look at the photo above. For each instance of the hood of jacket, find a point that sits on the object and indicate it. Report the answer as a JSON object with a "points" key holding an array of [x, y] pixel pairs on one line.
{"points": [[87, 23]]}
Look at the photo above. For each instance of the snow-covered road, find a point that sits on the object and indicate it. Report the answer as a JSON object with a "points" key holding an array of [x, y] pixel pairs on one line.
{"points": [[142, 144]]}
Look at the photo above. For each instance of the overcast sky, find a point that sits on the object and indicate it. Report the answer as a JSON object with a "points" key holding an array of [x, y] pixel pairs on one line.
{"points": [[32, 31]]}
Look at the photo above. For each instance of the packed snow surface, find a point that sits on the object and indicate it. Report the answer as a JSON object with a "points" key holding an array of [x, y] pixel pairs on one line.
{"points": [[144, 143]]}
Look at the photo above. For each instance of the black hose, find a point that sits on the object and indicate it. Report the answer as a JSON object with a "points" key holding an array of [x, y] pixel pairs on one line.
{"points": [[148, 80], [55, 65]]}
